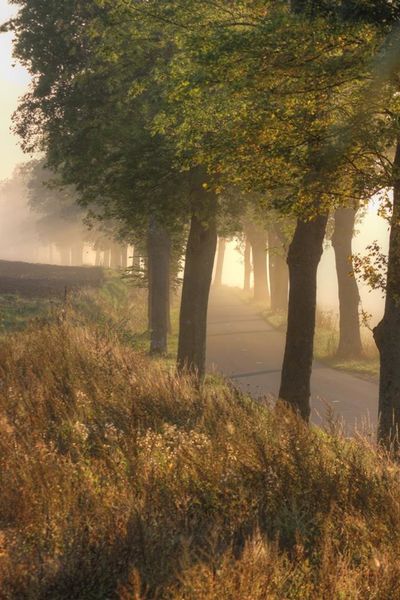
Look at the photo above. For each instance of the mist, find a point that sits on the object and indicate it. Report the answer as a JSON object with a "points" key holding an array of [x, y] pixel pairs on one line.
{"points": [[41, 224], [19, 238], [371, 227]]}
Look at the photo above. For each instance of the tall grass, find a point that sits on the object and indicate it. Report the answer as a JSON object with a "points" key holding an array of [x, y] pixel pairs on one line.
{"points": [[16, 311], [121, 480], [326, 343]]}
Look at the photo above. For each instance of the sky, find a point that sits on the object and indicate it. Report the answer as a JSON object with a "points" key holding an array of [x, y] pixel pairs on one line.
{"points": [[14, 82]]}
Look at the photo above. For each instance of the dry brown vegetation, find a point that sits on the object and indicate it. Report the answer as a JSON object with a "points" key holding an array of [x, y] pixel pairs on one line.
{"points": [[120, 480]]}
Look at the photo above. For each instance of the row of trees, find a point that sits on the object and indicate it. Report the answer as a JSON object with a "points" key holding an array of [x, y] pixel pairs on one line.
{"points": [[265, 248], [41, 221], [179, 118]]}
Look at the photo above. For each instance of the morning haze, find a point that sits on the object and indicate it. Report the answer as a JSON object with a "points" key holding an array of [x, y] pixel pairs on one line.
{"points": [[199, 300]]}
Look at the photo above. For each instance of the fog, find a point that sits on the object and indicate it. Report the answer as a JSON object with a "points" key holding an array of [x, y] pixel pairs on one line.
{"points": [[58, 236], [24, 235], [371, 228], [19, 238], [45, 225]]}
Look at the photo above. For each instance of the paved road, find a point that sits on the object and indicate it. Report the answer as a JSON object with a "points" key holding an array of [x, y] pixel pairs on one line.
{"points": [[242, 346]]}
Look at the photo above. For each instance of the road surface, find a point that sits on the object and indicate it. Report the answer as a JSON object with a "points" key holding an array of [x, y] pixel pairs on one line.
{"points": [[249, 351]]}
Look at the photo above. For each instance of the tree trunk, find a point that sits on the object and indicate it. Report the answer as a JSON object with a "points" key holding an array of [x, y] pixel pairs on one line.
{"points": [[159, 251], [350, 345], [303, 259], [136, 263], [115, 258], [247, 266], [77, 254], [220, 262], [258, 241], [124, 257], [65, 256], [147, 270], [278, 271], [97, 260], [170, 292], [106, 258], [200, 256], [387, 333]]}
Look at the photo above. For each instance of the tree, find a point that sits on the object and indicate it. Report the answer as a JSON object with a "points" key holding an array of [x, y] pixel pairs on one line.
{"points": [[59, 219], [350, 345], [257, 236], [220, 262], [247, 265], [380, 126], [98, 89], [273, 115], [119, 255], [200, 254], [387, 333], [144, 106], [278, 269], [91, 114], [159, 272], [298, 357]]}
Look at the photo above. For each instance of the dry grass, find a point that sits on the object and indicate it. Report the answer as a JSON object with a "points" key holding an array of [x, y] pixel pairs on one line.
{"points": [[119, 480], [327, 341]]}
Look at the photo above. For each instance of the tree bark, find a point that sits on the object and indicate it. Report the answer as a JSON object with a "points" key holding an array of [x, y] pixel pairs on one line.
{"points": [[200, 256], [387, 333], [303, 259], [258, 240], [159, 251], [247, 266], [170, 331], [97, 260], [148, 273], [350, 345], [278, 271], [220, 262]]}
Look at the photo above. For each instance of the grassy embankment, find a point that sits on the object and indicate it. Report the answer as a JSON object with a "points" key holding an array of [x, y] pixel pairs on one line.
{"points": [[115, 305], [121, 480], [327, 339], [17, 312]]}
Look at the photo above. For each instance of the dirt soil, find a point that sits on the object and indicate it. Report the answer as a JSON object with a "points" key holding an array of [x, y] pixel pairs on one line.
{"points": [[37, 280]]}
